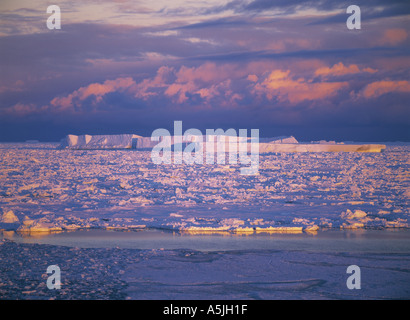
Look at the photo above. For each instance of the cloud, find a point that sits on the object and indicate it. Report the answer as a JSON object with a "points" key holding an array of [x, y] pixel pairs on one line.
{"points": [[378, 8], [17, 86], [208, 80], [220, 86], [393, 37], [198, 85], [253, 78], [150, 87], [205, 81], [94, 90], [284, 7], [280, 85], [339, 69], [21, 109], [378, 88]]}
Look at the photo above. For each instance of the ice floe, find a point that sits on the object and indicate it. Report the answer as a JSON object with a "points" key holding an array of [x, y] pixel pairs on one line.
{"points": [[68, 189]]}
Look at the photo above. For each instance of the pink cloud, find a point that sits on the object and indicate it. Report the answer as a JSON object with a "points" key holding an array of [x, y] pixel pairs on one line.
{"points": [[22, 109], [207, 81], [378, 88], [393, 37], [340, 69], [97, 90], [63, 102], [10, 87], [180, 90], [230, 84], [253, 78], [280, 85], [147, 88]]}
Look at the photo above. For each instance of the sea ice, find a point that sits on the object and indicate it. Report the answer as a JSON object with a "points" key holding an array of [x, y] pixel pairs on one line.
{"points": [[71, 189], [45, 189]]}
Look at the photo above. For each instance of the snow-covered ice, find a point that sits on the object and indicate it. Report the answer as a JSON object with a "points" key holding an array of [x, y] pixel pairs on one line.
{"points": [[46, 189]]}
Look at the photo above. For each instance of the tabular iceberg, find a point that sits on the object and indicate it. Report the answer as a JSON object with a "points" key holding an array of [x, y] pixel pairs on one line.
{"points": [[282, 144], [118, 141]]}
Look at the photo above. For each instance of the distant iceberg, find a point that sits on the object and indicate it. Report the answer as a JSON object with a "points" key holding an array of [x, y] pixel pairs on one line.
{"points": [[281, 144], [133, 141], [280, 139], [116, 141], [299, 147]]}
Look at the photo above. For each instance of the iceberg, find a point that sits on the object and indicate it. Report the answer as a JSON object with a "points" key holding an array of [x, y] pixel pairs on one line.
{"points": [[281, 144], [118, 141], [280, 139], [299, 147]]}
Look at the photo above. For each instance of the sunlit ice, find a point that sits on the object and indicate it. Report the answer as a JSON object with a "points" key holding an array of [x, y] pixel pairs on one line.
{"points": [[215, 141]]}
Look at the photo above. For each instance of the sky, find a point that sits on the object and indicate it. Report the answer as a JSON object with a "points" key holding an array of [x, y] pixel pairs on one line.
{"points": [[283, 67]]}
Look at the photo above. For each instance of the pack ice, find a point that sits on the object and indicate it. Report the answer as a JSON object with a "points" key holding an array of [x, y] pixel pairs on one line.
{"points": [[44, 188]]}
